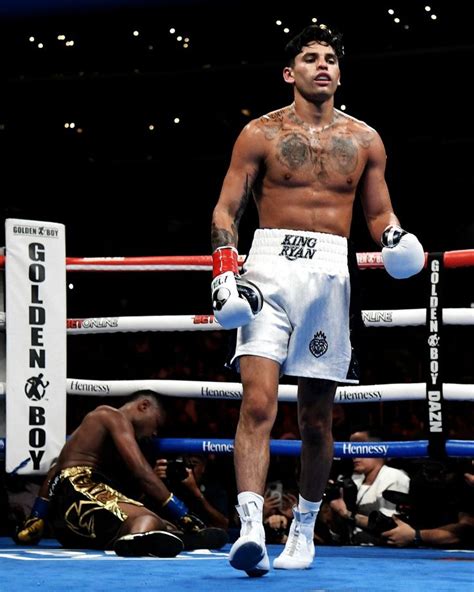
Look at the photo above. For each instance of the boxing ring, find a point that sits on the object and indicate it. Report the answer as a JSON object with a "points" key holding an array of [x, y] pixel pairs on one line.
{"points": [[334, 568], [434, 316]]}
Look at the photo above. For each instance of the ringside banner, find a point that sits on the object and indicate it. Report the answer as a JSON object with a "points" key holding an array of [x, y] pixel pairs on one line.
{"points": [[35, 273]]}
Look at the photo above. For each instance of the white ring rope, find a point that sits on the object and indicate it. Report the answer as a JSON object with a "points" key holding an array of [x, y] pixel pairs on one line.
{"points": [[375, 393], [372, 318], [286, 392]]}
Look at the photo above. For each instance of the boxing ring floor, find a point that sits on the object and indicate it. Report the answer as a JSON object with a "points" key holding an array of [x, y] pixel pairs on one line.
{"points": [[336, 569]]}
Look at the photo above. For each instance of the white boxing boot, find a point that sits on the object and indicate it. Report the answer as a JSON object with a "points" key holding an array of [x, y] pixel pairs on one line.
{"points": [[262, 567], [299, 548], [248, 553]]}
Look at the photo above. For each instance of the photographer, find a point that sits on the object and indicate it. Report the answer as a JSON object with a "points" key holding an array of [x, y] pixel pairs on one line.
{"points": [[204, 495], [454, 526], [361, 496]]}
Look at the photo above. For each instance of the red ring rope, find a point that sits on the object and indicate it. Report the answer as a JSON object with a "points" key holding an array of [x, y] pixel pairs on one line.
{"points": [[372, 260]]}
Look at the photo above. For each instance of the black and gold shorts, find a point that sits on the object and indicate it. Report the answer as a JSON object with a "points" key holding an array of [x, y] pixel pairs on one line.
{"points": [[85, 509]]}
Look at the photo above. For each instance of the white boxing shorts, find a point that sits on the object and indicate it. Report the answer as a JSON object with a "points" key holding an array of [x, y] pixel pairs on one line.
{"points": [[304, 322]]}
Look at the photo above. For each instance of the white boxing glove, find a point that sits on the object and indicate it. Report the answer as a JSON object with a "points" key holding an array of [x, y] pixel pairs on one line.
{"points": [[402, 253], [235, 301]]}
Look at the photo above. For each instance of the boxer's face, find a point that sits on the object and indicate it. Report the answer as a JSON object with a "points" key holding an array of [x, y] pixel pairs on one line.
{"points": [[150, 419], [315, 72]]}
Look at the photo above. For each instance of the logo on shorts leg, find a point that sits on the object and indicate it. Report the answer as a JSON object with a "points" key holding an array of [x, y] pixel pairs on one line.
{"points": [[318, 346]]}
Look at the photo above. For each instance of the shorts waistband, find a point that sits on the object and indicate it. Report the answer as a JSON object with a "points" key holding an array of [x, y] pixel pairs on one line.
{"points": [[300, 245], [69, 472]]}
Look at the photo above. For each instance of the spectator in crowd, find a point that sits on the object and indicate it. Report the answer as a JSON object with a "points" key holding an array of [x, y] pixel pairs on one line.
{"points": [[429, 528], [351, 501], [191, 478], [277, 512]]}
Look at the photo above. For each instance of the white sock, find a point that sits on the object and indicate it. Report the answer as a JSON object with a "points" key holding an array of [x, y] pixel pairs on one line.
{"points": [[305, 506], [249, 496]]}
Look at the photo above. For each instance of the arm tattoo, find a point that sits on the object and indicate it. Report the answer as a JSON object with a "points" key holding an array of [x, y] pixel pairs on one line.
{"points": [[244, 200], [222, 236]]}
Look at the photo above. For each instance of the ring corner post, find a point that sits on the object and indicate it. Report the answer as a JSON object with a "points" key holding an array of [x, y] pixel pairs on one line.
{"points": [[35, 282], [435, 416]]}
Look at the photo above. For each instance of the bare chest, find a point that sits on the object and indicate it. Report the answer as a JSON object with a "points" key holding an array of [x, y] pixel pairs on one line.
{"points": [[331, 159]]}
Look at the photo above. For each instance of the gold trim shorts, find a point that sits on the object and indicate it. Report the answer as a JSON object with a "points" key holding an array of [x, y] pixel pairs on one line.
{"points": [[85, 508]]}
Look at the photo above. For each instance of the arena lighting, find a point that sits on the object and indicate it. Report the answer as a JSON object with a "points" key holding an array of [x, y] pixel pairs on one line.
{"points": [[61, 37], [151, 127], [391, 11], [31, 39], [342, 107], [40, 45], [433, 17], [286, 30], [427, 8], [314, 20], [179, 38], [278, 23], [396, 20], [176, 120], [172, 31], [136, 33]]}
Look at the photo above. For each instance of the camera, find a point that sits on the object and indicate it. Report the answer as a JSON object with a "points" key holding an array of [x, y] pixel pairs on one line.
{"points": [[349, 491], [176, 470], [379, 523], [333, 491]]}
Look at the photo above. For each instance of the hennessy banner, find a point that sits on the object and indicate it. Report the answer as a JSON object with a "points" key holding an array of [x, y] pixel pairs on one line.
{"points": [[35, 277]]}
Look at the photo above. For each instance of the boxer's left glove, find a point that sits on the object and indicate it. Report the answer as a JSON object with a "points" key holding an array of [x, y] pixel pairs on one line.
{"points": [[235, 301], [177, 511], [402, 253], [31, 531]]}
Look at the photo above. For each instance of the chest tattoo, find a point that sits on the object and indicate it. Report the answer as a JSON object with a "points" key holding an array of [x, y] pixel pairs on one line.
{"points": [[343, 153], [294, 150], [336, 154]]}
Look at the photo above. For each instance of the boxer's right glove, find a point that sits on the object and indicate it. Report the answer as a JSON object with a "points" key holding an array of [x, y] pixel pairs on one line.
{"points": [[402, 253], [177, 511], [235, 301], [31, 531]]}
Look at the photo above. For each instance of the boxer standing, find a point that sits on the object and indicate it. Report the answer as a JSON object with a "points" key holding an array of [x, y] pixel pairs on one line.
{"points": [[302, 164]]}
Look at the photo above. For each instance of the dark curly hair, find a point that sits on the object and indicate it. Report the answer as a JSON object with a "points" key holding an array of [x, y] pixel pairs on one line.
{"points": [[320, 33]]}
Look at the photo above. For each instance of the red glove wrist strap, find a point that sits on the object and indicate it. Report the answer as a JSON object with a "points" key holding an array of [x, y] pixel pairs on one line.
{"points": [[225, 259]]}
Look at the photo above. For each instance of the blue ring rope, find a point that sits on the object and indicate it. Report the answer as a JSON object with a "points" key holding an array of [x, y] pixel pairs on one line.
{"points": [[400, 449]]}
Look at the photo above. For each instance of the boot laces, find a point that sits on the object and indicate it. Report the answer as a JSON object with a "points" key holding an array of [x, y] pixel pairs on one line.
{"points": [[295, 541]]}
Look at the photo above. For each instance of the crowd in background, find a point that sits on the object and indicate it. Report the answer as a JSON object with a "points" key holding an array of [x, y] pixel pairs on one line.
{"points": [[442, 493], [394, 355]]}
